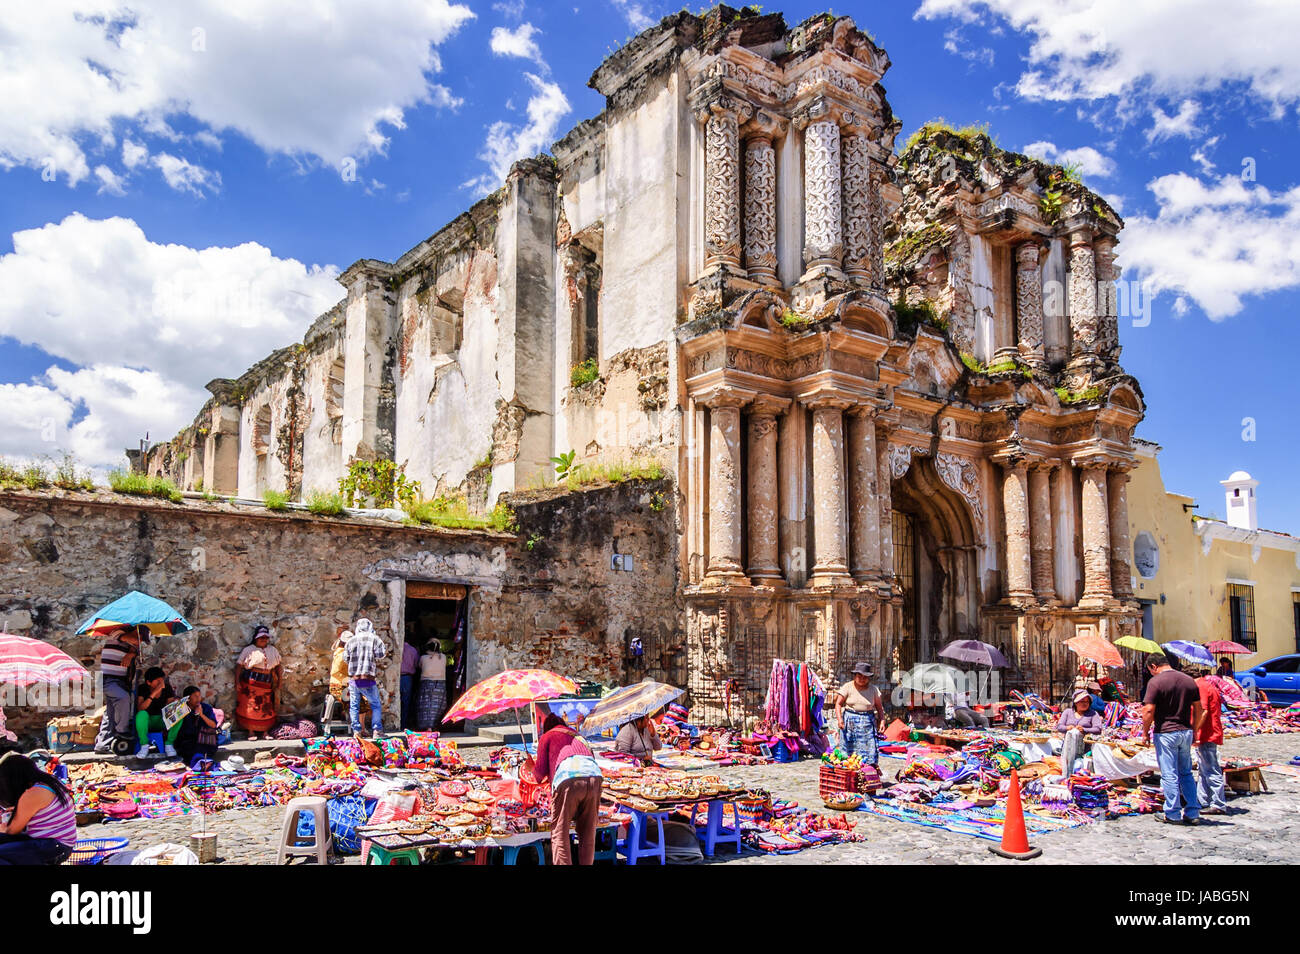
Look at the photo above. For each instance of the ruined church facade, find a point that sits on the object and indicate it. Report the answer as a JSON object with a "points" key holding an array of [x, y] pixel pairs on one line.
{"points": [[885, 383]]}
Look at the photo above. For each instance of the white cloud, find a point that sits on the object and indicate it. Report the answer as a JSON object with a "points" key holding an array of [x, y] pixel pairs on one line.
{"points": [[507, 142], [954, 42], [183, 176], [146, 324], [1215, 243], [517, 42], [634, 13], [1093, 49], [1088, 160], [1182, 123], [33, 419], [110, 181], [1201, 155], [322, 78], [133, 153], [510, 9]]}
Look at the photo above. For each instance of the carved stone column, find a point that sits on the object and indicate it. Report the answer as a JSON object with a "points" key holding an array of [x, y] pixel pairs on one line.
{"points": [[761, 506], [1029, 305], [1121, 570], [884, 491], [1042, 552], [1095, 515], [822, 196], [1015, 508], [722, 119], [864, 508], [856, 203], [1103, 249], [724, 488], [1083, 295], [831, 566], [760, 200]]}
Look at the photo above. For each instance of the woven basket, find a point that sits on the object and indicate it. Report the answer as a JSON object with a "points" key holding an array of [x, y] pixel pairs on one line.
{"points": [[845, 805], [753, 810]]}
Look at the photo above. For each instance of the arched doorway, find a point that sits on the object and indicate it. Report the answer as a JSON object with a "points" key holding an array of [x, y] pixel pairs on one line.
{"points": [[935, 563]]}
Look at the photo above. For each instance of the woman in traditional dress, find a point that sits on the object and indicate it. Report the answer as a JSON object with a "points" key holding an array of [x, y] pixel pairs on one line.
{"points": [[431, 700], [257, 684], [859, 710]]}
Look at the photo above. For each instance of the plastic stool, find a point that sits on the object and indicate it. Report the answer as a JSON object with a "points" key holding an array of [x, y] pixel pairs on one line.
{"points": [[157, 740], [606, 844], [636, 846], [510, 853], [379, 855], [714, 834], [320, 845]]}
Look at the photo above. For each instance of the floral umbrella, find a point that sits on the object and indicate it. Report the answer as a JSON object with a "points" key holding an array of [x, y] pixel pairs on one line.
{"points": [[28, 662], [1096, 649], [509, 690], [1226, 647], [628, 703]]}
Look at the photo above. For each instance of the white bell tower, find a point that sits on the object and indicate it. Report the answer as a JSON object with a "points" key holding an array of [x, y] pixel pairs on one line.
{"points": [[1239, 489]]}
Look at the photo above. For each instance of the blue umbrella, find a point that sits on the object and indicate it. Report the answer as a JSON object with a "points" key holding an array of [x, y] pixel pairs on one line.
{"points": [[136, 609], [1191, 652]]}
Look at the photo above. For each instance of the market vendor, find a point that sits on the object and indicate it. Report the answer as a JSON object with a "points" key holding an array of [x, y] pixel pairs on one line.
{"points": [[1080, 715], [565, 760], [196, 740], [639, 739], [258, 672], [42, 826], [859, 710], [150, 698], [117, 667]]}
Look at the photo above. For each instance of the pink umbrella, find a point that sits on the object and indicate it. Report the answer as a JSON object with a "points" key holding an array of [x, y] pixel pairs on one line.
{"points": [[1226, 647], [29, 662]]}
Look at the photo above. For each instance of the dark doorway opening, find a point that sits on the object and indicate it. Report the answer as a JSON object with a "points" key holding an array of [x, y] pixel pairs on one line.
{"points": [[437, 614]]}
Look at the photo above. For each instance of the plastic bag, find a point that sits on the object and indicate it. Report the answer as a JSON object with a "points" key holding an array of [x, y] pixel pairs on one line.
{"points": [[166, 854]]}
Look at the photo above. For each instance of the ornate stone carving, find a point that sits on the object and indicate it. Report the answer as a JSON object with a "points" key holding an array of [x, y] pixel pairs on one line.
{"points": [[760, 209], [960, 474], [856, 205], [876, 235], [900, 459], [1083, 294], [1029, 304], [823, 238], [722, 181], [1007, 201]]}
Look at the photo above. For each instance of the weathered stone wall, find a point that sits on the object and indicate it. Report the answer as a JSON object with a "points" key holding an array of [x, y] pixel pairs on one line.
{"points": [[556, 604]]}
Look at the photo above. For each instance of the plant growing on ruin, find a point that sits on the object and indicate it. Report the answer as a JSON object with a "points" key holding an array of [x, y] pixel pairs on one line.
{"points": [[1051, 204], [67, 476], [584, 372], [453, 511], [275, 500], [910, 317], [142, 485], [564, 463], [325, 505], [10, 476], [613, 472], [381, 482], [793, 320], [1066, 396], [532, 541]]}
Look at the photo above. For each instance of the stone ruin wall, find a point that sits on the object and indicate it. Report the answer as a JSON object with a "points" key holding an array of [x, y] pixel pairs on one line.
{"points": [[558, 604]]}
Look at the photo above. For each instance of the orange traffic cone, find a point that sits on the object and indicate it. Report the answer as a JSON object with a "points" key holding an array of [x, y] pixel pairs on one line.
{"points": [[1015, 843]]}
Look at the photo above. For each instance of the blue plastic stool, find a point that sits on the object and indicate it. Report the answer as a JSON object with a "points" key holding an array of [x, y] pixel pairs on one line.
{"points": [[510, 853], [714, 834], [606, 844], [157, 740], [636, 846]]}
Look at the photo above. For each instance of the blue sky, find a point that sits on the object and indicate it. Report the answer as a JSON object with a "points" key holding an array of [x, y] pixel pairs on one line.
{"points": [[178, 186]]}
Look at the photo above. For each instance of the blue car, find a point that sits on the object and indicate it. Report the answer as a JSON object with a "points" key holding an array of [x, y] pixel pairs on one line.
{"points": [[1278, 678]]}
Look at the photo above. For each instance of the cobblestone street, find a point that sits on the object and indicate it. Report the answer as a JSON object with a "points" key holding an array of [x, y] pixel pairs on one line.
{"points": [[1261, 829]]}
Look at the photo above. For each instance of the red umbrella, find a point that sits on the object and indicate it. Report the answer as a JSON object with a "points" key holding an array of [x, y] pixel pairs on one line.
{"points": [[1098, 649], [1226, 647], [28, 662]]}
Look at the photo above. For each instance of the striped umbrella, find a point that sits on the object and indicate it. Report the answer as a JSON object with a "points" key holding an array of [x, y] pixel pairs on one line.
{"points": [[29, 662], [136, 609], [628, 703], [1096, 649]]}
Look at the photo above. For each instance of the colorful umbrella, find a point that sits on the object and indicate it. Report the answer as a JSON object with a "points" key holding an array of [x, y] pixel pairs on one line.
{"points": [[1226, 647], [1096, 649], [974, 651], [628, 703], [29, 662], [1138, 643], [136, 609], [509, 690], [1191, 652]]}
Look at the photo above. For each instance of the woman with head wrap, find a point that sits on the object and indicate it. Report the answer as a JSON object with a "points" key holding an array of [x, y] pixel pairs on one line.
{"points": [[257, 684]]}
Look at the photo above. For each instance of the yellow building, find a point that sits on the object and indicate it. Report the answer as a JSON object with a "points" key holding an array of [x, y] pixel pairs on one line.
{"points": [[1203, 579]]}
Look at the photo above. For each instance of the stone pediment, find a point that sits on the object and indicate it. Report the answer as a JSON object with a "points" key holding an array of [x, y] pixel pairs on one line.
{"points": [[930, 364]]}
